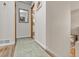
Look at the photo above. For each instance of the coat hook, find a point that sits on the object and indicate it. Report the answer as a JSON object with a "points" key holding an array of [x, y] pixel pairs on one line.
{"points": [[4, 4]]}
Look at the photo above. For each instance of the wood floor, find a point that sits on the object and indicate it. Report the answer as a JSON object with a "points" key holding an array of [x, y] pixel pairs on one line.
{"points": [[7, 51]]}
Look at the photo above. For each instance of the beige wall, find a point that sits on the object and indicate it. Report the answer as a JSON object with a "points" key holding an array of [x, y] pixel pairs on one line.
{"points": [[58, 26]]}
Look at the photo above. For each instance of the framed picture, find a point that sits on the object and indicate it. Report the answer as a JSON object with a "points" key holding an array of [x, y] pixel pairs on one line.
{"points": [[23, 16]]}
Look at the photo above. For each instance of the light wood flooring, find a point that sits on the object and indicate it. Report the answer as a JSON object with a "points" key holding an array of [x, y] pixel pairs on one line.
{"points": [[7, 51]]}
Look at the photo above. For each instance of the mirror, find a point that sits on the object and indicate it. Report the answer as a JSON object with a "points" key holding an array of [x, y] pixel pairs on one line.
{"points": [[23, 16]]}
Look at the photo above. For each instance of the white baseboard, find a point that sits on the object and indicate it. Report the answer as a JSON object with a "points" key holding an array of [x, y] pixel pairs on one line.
{"points": [[22, 36], [40, 44], [52, 53]]}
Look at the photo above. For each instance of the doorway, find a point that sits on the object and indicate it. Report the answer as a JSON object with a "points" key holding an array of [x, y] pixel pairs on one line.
{"points": [[23, 23], [26, 46]]}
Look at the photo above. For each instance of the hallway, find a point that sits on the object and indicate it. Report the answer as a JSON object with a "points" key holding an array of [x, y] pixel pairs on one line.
{"points": [[54, 26], [27, 47]]}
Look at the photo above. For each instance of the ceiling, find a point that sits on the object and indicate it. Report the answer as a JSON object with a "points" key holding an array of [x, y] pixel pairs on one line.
{"points": [[74, 4], [27, 2]]}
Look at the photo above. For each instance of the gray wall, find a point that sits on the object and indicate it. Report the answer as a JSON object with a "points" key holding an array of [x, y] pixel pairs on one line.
{"points": [[58, 25]]}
